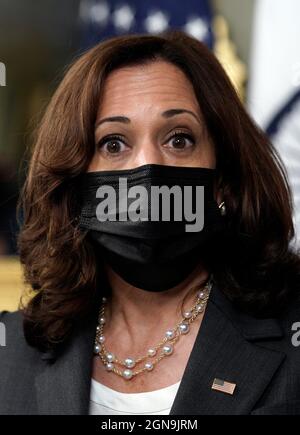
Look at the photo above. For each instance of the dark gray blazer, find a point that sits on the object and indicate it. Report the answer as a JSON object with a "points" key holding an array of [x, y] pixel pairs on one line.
{"points": [[256, 355]]}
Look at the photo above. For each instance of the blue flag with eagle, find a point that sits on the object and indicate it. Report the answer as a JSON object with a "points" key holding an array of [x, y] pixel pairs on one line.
{"points": [[101, 19]]}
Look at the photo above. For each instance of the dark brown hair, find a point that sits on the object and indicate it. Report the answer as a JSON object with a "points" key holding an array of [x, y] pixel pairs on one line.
{"points": [[255, 265]]}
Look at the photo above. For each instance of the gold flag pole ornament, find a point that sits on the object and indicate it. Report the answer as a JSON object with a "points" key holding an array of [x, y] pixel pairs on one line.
{"points": [[226, 53]]}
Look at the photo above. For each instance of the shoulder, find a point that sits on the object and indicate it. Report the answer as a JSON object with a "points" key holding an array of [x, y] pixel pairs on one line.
{"points": [[290, 322], [14, 347], [288, 344], [12, 324], [11, 316], [19, 364], [291, 312], [283, 391]]}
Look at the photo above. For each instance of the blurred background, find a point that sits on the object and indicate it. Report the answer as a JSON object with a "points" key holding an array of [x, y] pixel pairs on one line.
{"points": [[257, 42]]}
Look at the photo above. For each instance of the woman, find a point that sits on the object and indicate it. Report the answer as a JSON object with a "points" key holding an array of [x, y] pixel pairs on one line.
{"points": [[137, 315]]}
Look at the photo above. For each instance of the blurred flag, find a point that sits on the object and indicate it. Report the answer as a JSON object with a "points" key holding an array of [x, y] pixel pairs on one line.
{"points": [[104, 18], [274, 87]]}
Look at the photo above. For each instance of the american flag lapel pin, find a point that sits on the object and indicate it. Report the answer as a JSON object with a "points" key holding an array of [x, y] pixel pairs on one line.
{"points": [[223, 386]]}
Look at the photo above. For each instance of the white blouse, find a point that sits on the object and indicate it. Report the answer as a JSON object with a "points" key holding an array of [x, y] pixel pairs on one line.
{"points": [[106, 401]]}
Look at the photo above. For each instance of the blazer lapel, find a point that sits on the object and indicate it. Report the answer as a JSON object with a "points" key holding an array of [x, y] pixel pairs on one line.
{"points": [[223, 349]]}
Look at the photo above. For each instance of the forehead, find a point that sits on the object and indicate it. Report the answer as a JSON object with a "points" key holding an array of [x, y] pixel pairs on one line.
{"points": [[147, 87]]}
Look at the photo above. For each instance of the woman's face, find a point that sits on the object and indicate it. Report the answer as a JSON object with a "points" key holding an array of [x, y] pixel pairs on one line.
{"points": [[155, 115]]}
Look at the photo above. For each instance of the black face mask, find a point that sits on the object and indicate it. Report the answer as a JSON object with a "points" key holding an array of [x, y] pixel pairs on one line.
{"points": [[159, 252]]}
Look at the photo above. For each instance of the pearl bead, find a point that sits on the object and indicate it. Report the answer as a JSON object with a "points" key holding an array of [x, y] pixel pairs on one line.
{"points": [[184, 328], [104, 299], [109, 366], [151, 352], [98, 328], [110, 357], [187, 315], [101, 339], [127, 374], [199, 308], [201, 295], [170, 334], [149, 366], [102, 320], [97, 348], [129, 362], [168, 349]]}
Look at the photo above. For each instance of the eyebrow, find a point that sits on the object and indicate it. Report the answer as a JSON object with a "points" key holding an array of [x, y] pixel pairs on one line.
{"points": [[167, 114]]}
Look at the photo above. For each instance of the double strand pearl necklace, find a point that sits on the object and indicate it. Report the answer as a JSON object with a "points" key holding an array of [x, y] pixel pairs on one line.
{"points": [[166, 345]]}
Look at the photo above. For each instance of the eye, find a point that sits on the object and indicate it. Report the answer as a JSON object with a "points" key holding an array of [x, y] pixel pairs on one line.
{"points": [[112, 144], [181, 140]]}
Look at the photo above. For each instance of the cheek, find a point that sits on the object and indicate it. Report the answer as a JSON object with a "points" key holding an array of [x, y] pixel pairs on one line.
{"points": [[94, 163], [204, 156], [208, 156], [211, 159]]}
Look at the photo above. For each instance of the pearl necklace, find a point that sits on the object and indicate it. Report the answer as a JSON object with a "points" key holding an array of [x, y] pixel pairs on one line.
{"points": [[171, 337]]}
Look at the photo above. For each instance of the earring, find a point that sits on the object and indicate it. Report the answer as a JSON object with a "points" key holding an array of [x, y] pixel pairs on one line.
{"points": [[222, 208]]}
